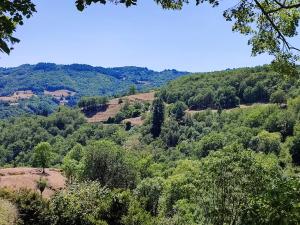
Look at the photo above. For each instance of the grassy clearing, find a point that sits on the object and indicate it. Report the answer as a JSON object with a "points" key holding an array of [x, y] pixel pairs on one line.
{"points": [[8, 213]]}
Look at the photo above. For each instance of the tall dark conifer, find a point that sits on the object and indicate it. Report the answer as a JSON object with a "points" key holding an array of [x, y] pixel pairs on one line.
{"points": [[157, 117]]}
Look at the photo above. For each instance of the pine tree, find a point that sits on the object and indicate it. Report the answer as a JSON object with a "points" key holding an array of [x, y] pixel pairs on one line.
{"points": [[157, 117]]}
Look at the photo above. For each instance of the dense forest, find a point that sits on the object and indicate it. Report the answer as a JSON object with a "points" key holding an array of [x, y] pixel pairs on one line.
{"points": [[228, 89], [85, 80], [38, 105], [236, 166]]}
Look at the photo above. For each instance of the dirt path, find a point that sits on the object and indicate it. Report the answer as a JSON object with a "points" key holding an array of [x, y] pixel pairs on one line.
{"points": [[242, 106]]}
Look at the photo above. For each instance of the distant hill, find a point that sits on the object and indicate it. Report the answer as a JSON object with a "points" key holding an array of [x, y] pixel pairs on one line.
{"points": [[85, 80]]}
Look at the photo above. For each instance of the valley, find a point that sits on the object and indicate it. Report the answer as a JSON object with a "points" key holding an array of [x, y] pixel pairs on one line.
{"points": [[101, 142], [149, 153]]}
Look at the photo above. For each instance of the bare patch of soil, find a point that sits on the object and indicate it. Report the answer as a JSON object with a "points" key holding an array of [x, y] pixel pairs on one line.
{"points": [[23, 177], [242, 106]]}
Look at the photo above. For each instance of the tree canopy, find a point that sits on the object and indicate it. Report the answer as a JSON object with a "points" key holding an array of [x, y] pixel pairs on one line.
{"points": [[12, 13]]}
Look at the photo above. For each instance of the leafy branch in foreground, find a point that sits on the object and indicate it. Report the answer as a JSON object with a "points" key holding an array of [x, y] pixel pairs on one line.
{"points": [[12, 13]]}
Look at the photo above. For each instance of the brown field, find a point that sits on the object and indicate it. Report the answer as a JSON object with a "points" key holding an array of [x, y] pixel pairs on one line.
{"points": [[60, 93], [145, 97], [18, 95], [114, 107], [17, 178], [112, 110]]}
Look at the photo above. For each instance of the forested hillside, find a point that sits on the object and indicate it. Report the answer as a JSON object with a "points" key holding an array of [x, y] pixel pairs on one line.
{"points": [[238, 166], [228, 89], [85, 80], [53, 84]]}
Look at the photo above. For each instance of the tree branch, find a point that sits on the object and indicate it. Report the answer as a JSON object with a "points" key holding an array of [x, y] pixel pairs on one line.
{"points": [[281, 36], [283, 6]]}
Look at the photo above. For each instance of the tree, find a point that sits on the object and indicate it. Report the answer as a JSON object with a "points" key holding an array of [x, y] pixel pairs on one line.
{"points": [[71, 163], [266, 142], [170, 133], [107, 163], [12, 13], [41, 184], [281, 121], [149, 191], [278, 97], [89, 203], [294, 145], [128, 125], [42, 155], [158, 116], [132, 90], [237, 186], [205, 99], [226, 98], [92, 103], [178, 110], [211, 142]]}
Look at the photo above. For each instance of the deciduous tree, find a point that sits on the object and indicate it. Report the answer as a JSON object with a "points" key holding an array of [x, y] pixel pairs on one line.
{"points": [[42, 155]]}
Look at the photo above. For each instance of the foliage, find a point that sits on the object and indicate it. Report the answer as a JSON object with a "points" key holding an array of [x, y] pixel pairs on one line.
{"points": [[228, 89], [132, 90], [107, 163], [130, 110], [92, 103], [178, 110], [42, 155], [157, 117], [40, 105], [12, 14], [240, 178], [41, 184], [71, 163], [227, 166], [32, 208], [19, 136], [266, 142], [89, 203], [278, 97], [85, 80], [8, 213]]}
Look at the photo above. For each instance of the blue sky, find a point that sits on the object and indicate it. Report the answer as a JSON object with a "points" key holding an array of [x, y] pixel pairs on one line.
{"points": [[194, 39]]}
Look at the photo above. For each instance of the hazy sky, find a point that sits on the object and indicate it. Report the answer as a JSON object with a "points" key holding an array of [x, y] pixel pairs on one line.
{"points": [[194, 39]]}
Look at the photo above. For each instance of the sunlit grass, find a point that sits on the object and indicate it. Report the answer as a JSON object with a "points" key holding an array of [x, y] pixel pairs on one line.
{"points": [[8, 213]]}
